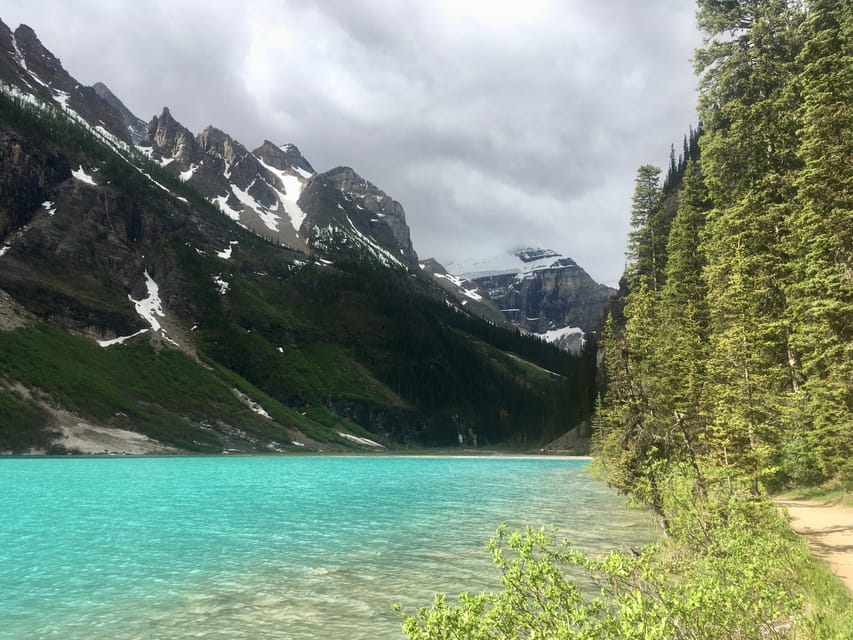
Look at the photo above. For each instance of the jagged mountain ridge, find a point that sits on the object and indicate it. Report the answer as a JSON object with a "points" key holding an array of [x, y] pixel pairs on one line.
{"points": [[263, 190], [25, 63], [130, 302], [259, 189]]}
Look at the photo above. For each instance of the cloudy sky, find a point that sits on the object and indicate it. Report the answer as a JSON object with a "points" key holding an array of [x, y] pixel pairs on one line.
{"points": [[496, 123]]}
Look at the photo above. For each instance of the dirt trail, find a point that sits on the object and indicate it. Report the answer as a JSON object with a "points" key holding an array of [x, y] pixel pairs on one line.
{"points": [[828, 529]]}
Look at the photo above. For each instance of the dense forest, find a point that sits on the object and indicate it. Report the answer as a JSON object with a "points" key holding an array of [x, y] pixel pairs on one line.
{"points": [[728, 357], [734, 346]]}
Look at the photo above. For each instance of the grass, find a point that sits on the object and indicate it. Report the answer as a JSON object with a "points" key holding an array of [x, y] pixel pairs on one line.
{"points": [[163, 394], [827, 600], [21, 422], [822, 494]]}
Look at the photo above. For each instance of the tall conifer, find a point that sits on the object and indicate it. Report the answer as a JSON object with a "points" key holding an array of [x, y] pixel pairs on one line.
{"points": [[748, 107], [645, 241], [684, 326], [821, 291]]}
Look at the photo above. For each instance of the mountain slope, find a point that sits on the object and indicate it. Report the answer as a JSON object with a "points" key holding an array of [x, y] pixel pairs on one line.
{"points": [[144, 292]]}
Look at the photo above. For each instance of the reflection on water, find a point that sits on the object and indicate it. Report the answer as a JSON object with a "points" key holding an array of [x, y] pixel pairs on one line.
{"points": [[298, 548]]}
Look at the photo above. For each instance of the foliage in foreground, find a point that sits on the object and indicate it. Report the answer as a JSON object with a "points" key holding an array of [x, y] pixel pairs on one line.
{"points": [[731, 568]]}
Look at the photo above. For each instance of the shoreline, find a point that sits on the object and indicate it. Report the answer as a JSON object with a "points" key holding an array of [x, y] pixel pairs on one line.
{"points": [[425, 453]]}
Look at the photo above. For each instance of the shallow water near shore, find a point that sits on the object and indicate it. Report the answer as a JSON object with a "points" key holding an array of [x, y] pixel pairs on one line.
{"points": [[271, 547]]}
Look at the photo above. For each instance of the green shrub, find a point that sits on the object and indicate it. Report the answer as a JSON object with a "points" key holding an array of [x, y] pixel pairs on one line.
{"points": [[729, 568]]}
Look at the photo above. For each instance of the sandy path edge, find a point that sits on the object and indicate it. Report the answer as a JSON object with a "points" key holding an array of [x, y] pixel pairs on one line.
{"points": [[828, 529]]}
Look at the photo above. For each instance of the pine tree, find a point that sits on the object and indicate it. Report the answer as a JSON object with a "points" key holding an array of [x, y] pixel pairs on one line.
{"points": [[631, 435], [748, 107], [684, 326], [821, 292], [645, 242]]}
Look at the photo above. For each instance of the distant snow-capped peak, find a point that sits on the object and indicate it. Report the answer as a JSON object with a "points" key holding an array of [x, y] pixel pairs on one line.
{"points": [[522, 261]]}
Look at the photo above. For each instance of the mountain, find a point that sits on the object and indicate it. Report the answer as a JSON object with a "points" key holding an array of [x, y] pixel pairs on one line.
{"points": [[136, 127], [540, 291], [33, 70], [263, 191], [175, 291]]}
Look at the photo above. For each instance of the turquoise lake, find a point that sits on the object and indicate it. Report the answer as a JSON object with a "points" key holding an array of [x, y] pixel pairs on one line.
{"points": [[271, 547]]}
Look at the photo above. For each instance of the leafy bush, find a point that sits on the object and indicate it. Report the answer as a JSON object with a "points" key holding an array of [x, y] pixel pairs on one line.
{"points": [[730, 568]]}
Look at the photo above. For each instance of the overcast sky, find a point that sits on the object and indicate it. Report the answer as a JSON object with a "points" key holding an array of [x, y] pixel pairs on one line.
{"points": [[496, 123]]}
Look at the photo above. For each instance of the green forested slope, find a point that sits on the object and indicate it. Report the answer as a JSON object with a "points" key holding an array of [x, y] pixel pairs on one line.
{"points": [[323, 347]]}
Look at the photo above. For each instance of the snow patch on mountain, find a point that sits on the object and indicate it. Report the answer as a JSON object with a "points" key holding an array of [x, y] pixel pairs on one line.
{"points": [[81, 175], [556, 334], [186, 175], [225, 254], [267, 217], [151, 306], [292, 190], [461, 285], [221, 284], [521, 262], [224, 207], [120, 339], [19, 56]]}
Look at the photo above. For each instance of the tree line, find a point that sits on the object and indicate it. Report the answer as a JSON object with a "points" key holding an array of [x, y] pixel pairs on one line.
{"points": [[731, 346]]}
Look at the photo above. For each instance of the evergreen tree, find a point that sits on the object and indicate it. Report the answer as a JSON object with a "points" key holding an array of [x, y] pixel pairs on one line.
{"points": [[629, 436], [645, 242], [748, 106], [821, 291], [684, 327]]}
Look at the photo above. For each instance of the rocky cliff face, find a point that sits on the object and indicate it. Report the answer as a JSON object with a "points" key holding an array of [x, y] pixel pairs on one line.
{"points": [[347, 215], [28, 175], [370, 197], [560, 295], [284, 158]]}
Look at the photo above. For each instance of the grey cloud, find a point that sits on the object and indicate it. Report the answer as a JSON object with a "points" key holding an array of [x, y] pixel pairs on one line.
{"points": [[526, 133]]}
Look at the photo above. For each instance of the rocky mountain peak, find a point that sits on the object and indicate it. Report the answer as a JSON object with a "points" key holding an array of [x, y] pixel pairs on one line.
{"points": [[284, 158], [347, 180], [170, 139], [41, 62], [370, 197], [219, 144]]}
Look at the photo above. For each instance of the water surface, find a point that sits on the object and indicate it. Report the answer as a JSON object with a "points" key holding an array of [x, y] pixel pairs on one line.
{"points": [[270, 547]]}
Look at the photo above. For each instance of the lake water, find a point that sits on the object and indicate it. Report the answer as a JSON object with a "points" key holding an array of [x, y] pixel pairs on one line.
{"points": [[271, 547]]}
